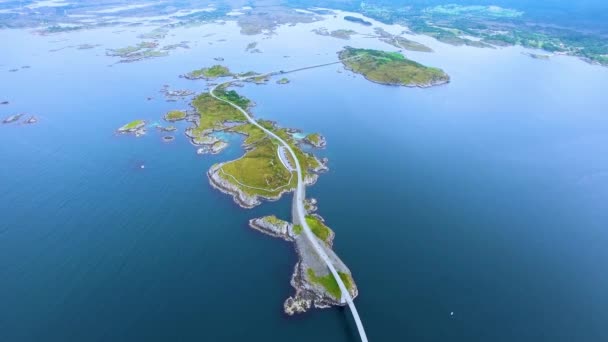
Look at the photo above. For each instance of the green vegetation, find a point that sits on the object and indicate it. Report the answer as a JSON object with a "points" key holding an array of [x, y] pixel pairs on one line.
{"points": [[283, 80], [209, 73], [253, 133], [259, 171], [391, 68], [329, 282], [318, 228], [175, 115], [133, 125], [297, 229], [233, 96], [213, 113], [479, 11], [489, 26], [273, 220], [314, 138]]}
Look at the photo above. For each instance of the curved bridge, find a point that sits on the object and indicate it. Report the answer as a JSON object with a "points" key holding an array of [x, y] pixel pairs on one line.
{"points": [[299, 196]]}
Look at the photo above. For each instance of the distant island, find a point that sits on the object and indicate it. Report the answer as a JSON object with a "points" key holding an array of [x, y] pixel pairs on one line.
{"points": [[357, 20], [391, 68], [401, 42], [210, 73]]}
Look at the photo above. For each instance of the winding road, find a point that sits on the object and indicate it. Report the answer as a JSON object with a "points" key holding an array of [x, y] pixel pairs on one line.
{"points": [[299, 195]]}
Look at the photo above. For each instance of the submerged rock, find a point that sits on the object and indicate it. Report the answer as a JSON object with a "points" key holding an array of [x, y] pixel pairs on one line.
{"points": [[31, 120], [12, 118]]}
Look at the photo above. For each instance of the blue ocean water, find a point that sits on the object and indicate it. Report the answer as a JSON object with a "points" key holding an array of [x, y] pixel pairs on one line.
{"points": [[485, 197]]}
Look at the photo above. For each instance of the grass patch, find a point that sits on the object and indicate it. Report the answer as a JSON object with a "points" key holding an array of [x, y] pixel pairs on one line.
{"points": [[273, 220], [297, 229], [214, 112], [318, 228], [314, 138], [132, 125], [253, 133], [329, 282], [260, 171], [175, 115], [233, 96]]}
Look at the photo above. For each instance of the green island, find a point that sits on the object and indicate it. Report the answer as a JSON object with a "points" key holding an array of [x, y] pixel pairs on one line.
{"points": [[210, 73], [391, 68], [283, 80], [136, 127], [329, 282], [315, 140], [132, 126], [175, 115]]}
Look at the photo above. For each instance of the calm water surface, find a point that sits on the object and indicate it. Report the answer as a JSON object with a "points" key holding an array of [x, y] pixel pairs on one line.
{"points": [[485, 197]]}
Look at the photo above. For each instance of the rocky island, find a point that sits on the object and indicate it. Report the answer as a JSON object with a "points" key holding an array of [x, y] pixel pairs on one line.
{"points": [[391, 68], [175, 115], [31, 120], [12, 118], [137, 127], [315, 140], [210, 73]]}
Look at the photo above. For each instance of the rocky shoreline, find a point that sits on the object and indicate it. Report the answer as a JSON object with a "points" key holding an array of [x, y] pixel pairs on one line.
{"points": [[243, 199], [308, 291], [434, 83], [249, 201]]}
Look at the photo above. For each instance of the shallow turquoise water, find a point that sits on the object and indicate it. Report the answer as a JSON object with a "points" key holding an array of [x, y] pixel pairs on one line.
{"points": [[485, 197]]}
